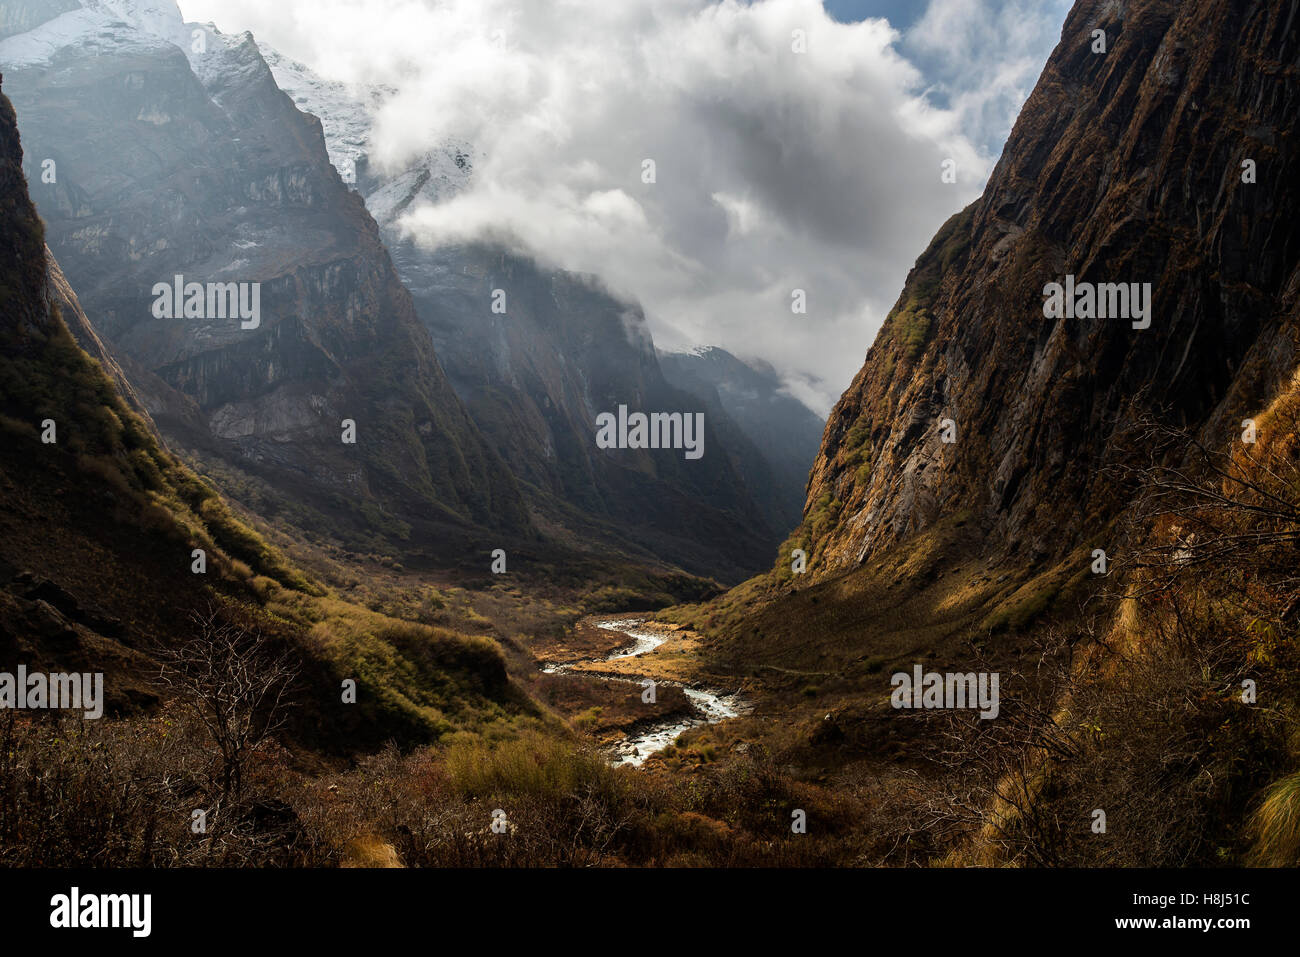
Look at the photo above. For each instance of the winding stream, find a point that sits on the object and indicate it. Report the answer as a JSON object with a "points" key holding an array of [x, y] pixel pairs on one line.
{"points": [[711, 705]]}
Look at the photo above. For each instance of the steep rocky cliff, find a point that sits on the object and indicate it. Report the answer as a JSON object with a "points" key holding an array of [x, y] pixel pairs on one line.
{"points": [[1169, 158], [156, 150]]}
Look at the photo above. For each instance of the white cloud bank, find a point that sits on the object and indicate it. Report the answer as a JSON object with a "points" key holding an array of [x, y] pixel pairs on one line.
{"points": [[775, 170]]}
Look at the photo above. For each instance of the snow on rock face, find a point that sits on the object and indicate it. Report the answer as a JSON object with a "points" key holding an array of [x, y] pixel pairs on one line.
{"points": [[214, 57], [439, 175], [161, 18], [100, 26], [343, 111], [347, 116], [103, 26], [226, 62], [92, 30]]}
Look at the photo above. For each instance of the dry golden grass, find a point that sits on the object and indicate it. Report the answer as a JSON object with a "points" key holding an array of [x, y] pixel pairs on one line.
{"points": [[371, 852]]}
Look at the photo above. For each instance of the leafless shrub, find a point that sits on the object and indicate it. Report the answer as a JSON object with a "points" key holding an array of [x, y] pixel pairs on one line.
{"points": [[230, 678], [1213, 510]]}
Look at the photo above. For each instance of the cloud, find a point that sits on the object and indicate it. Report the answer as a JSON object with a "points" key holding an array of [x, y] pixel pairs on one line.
{"points": [[982, 58], [774, 170]]}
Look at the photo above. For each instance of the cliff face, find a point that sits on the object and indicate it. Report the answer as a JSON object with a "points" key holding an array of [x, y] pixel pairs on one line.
{"points": [[168, 160], [534, 380], [1169, 159]]}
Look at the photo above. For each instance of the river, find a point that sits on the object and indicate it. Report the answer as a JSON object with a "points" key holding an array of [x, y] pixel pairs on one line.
{"points": [[710, 704]]}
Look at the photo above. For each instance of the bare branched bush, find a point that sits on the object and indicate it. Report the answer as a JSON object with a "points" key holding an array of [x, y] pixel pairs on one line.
{"points": [[233, 681], [1203, 510], [123, 792]]}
